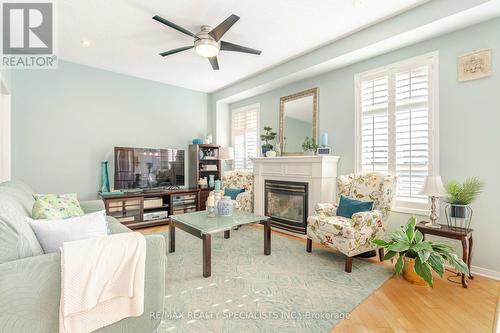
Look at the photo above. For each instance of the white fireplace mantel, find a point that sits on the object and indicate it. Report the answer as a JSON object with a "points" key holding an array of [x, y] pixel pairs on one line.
{"points": [[319, 172]]}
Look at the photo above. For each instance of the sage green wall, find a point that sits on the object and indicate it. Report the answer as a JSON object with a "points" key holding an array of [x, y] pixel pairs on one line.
{"points": [[65, 121], [468, 125]]}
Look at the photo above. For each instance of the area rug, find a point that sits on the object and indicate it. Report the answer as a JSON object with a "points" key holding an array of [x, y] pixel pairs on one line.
{"points": [[289, 291]]}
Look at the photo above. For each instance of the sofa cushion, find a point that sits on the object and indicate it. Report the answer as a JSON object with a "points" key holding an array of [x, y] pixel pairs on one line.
{"points": [[233, 192], [17, 240], [56, 206], [348, 207], [21, 192], [331, 226], [54, 232]]}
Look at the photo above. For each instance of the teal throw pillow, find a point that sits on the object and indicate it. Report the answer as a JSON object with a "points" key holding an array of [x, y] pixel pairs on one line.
{"points": [[233, 192], [347, 206]]}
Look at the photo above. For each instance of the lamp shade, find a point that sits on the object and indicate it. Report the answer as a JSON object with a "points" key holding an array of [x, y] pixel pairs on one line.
{"points": [[226, 153], [433, 187]]}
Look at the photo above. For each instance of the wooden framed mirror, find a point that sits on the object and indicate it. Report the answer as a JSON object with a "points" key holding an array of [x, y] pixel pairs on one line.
{"points": [[298, 120]]}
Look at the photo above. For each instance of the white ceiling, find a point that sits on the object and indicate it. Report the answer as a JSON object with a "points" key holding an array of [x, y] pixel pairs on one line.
{"points": [[125, 39]]}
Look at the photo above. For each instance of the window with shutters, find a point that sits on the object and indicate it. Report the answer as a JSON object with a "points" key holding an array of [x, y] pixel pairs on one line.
{"points": [[245, 135], [396, 117]]}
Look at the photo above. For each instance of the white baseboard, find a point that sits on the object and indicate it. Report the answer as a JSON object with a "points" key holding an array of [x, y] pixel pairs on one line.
{"points": [[489, 273]]}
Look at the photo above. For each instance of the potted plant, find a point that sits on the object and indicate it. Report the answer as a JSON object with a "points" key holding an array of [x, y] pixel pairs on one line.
{"points": [[416, 257], [309, 146], [461, 195], [268, 136]]}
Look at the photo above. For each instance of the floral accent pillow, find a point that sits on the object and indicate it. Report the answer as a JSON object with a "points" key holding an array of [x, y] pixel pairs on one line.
{"points": [[55, 206]]}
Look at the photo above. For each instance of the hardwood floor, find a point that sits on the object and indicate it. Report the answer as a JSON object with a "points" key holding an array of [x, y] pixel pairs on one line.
{"points": [[399, 306]]}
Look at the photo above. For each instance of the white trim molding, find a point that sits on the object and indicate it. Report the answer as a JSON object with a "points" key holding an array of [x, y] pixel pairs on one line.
{"points": [[485, 272]]}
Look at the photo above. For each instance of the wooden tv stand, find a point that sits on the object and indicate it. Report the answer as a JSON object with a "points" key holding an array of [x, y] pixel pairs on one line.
{"points": [[129, 208]]}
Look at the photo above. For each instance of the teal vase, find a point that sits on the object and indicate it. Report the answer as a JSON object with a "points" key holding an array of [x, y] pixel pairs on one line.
{"points": [[104, 177]]}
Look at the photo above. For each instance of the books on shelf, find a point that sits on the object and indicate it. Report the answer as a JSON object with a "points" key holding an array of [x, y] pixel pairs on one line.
{"points": [[209, 167]]}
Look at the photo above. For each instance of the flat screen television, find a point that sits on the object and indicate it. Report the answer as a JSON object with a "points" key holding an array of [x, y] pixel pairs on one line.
{"points": [[143, 168]]}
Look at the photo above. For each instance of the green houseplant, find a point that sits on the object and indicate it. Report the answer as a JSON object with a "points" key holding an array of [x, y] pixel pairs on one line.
{"points": [[268, 136], [461, 195], [416, 257], [309, 146]]}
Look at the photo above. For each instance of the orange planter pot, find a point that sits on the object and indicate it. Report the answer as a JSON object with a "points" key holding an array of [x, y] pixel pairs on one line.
{"points": [[409, 272]]}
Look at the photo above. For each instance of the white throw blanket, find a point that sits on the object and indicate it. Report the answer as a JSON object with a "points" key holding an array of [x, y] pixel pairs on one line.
{"points": [[102, 281]]}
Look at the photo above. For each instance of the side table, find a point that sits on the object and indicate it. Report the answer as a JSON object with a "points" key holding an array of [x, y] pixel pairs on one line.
{"points": [[461, 234]]}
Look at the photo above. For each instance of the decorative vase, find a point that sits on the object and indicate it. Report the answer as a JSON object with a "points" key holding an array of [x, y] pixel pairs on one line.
{"points": [[211, 211], [309, 153], [104, 177], [225, 206], [217, 197], [265, 149], [197, 141], [211, 181], [409, 272], [270, 153]]}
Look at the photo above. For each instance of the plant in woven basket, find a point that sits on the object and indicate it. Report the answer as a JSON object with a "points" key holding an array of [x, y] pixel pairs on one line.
{"points": [[416, 255], [463, 193]]}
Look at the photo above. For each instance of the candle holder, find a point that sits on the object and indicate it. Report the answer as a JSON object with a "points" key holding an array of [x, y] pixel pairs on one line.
{"points": [[211, 211]]}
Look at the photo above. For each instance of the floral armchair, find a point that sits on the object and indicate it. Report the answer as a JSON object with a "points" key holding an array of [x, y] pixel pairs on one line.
{"points": [[240, 179], [354, 236]]}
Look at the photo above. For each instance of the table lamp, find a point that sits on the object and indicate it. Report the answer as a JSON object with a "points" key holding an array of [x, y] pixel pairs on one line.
{"points": [[226, 153], [434, 189]]}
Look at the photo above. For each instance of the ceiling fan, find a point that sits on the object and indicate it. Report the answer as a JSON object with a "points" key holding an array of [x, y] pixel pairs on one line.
{"points": [[207, 42]]}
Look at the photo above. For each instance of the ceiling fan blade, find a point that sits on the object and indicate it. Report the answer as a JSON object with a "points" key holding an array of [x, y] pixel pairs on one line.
{"points": [[172, 25], [180, 49], [222, 28], [226, 46], [214, 63]]}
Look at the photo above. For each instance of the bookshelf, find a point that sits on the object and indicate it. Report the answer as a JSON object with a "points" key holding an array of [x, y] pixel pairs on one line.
{"points": [[203, 162]]}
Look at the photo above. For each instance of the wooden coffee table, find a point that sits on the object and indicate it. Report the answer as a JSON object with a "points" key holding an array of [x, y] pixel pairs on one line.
{"points": [[200, 225]]}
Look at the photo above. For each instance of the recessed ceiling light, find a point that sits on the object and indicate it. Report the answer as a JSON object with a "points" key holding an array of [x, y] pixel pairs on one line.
{"points": [[85, 43]]}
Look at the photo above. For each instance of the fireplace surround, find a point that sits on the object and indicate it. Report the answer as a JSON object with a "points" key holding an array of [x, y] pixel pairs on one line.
{"points": [[319, 173]]}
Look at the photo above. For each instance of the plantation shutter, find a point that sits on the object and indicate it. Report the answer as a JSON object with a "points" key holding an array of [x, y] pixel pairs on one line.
{"points": [[245, 128], [412, 131], [395, 130], [375, 125]]}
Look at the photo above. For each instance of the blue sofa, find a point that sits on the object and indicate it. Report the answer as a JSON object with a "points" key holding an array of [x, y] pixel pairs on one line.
{"points": [[30, 281]]}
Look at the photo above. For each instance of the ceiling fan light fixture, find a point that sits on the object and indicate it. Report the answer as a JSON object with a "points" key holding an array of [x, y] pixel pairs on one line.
{"points": [[206, 48], [208, 42]]}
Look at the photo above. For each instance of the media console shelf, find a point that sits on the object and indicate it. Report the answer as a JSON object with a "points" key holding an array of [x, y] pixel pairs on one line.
{"points": [[129, 208]]}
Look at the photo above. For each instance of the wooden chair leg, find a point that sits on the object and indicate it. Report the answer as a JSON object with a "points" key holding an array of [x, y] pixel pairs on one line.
{"points": [[309, 245], [381, 254], [348, 264]]}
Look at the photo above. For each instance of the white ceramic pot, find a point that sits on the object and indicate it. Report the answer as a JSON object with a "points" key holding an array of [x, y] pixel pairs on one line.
{"points": [[225, 206], [270, 153]]}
